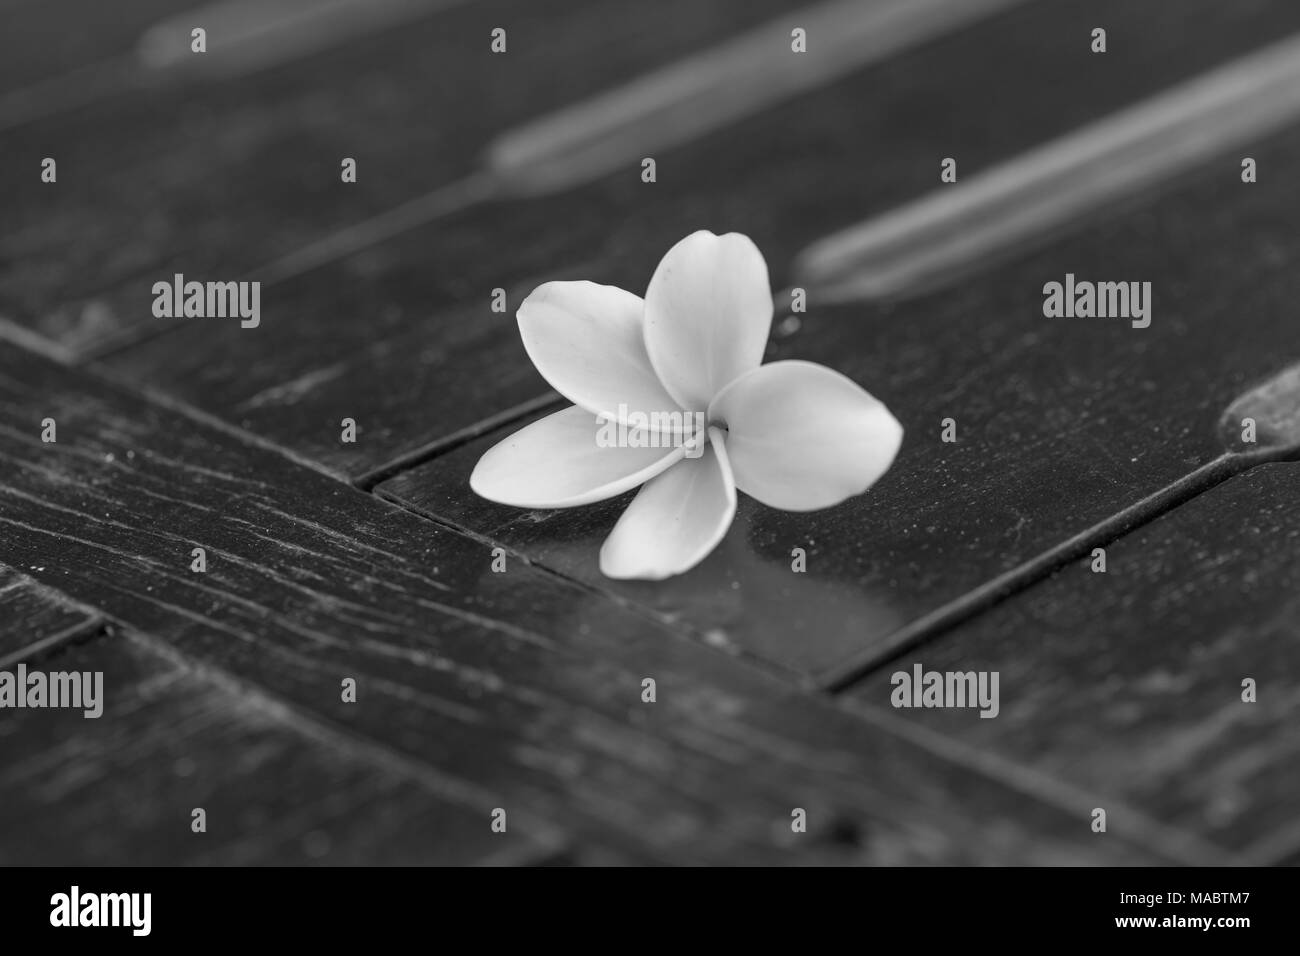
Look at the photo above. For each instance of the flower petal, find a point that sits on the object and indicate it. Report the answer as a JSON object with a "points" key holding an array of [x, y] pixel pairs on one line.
{"points": [[708, 311], [587, 341], [803, 437], [675, 520], [556, 462]]}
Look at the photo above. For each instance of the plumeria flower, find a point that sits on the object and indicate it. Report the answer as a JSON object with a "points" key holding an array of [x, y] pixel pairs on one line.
{"points": [[679, 378]]}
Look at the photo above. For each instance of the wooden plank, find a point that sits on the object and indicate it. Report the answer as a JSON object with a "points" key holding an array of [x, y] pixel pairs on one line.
{"points": [[694, 96], [1065, 181], [35, 619], [276, 789], [402, 338], [515, 685], [213, 179], [1129, 682], [1060, 424]]}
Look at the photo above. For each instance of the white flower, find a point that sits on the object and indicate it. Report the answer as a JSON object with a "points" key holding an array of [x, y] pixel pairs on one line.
{"points": [[794, 435]]}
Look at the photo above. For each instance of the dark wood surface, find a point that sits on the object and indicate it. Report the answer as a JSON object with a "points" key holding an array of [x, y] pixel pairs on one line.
{"points": [[401, 336], [215, 179], [77, 36], [1129, 683], [522, 689], [511, 689], [276, 787]]}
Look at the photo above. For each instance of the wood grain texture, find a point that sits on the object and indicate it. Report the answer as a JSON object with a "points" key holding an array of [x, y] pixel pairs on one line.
{"points": [[1129, 682], [511, 689], [402, 337], [35, 618], [213, 179], [1060, 423], [277, 789]]}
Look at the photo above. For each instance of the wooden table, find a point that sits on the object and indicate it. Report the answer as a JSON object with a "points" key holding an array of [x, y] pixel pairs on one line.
{"points": [[371, 561]]}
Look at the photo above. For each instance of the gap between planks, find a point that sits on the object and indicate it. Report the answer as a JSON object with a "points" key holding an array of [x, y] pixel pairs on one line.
{"points": [[448, 443], [945, 618], [95, 628]]}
